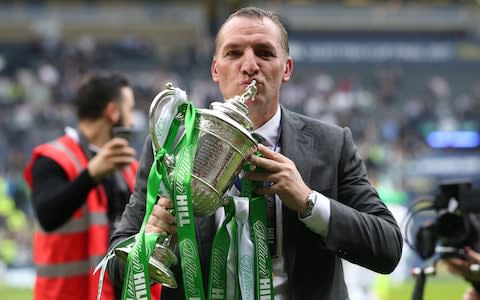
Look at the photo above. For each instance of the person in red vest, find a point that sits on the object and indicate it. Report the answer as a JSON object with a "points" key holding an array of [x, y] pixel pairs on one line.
{"points": [[80, 185]]}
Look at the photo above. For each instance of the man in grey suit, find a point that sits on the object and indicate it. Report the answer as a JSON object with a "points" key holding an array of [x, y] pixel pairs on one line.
{"points": [[326, 207]]}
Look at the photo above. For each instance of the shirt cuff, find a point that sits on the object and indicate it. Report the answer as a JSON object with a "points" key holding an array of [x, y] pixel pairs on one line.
{"points": [[320, 218]]}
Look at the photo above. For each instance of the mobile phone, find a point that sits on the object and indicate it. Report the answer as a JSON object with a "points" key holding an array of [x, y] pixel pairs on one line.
{"points": [[122, 132]]}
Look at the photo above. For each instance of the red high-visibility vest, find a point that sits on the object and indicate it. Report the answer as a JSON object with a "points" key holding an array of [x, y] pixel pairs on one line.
{"points": [[66, 257]]}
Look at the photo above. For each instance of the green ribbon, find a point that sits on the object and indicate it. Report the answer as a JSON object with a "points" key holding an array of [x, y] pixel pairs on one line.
{"points": [[182, 195], [137, 280], [136, 283], [258, 232], [262, 261]]}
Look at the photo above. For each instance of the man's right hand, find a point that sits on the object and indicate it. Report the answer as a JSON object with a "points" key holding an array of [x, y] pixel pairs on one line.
{"points": [[161, 220], [463, 267], [116, 154]]}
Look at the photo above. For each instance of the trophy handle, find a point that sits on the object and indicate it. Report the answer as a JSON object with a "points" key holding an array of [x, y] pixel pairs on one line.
{"points": [[159, 263], [162, 112]]}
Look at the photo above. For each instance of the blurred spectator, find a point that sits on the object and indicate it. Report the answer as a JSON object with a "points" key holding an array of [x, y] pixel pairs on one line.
{"points": [[80, 184]]}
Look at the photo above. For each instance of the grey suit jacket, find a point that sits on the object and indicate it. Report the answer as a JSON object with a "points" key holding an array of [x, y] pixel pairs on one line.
{"points": [[361, 228]]}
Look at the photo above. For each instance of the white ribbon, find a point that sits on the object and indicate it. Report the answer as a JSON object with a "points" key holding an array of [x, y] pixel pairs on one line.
{"points": [[231, 270], [102, 265], [245, 249]]}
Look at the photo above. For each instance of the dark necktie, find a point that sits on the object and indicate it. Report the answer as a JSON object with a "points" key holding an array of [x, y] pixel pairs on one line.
{"points": [[271, 224]]}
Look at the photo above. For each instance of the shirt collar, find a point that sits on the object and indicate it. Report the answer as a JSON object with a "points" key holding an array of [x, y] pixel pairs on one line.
{"points": [[73, 133], [270, 130]]}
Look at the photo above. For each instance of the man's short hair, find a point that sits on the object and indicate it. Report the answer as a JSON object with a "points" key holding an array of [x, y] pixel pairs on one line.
{"points": [[252, 12], [96, 92]]}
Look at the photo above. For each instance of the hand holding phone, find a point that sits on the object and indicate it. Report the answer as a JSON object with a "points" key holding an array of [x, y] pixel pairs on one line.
{"points": [[114, 155]]}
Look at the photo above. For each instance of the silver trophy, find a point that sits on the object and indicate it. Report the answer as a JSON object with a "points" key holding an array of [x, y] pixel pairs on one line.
{"points": [[224, 144]]}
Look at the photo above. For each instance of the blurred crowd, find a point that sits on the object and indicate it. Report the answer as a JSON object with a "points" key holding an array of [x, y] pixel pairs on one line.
{"points": [[390, 108]]}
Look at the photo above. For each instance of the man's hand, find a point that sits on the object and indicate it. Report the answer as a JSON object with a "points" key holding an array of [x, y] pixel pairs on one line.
{"points": [[161, 220], [284, 177], [471, 294], [464, 267], [116, 154]]}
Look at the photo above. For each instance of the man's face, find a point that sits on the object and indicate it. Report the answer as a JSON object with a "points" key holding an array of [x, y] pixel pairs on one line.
{"points": [[250, 49], [126, 106]]}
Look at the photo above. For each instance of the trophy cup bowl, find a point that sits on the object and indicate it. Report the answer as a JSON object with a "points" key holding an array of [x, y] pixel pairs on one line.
{"points": [[222, 149], [224, 144]]}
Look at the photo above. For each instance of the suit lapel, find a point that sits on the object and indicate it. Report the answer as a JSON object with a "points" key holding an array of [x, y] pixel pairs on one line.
{"points": [[296, 142], [297, 145]]}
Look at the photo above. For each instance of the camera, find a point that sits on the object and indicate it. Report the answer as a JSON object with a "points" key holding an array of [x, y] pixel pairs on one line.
{"points": [[454, 225], [451, 229]]}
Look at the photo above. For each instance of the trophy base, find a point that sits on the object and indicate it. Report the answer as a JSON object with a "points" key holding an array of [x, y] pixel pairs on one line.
{"points": [[156, 269]]}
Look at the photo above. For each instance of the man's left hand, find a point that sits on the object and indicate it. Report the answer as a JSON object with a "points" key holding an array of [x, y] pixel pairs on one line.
{"points": [[283, 176]]}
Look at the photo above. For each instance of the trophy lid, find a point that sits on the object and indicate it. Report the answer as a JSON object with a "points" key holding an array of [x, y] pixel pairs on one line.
{"points": [[236, 108]]}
